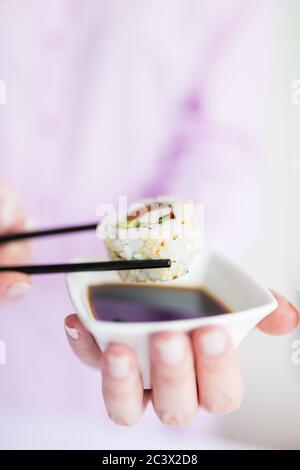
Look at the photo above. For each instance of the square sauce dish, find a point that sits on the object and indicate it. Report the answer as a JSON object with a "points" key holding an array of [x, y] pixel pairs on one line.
{"points": [[215, 291]]}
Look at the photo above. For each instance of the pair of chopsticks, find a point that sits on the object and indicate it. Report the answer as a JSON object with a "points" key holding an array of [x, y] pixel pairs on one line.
{"points": [[74, 267]]}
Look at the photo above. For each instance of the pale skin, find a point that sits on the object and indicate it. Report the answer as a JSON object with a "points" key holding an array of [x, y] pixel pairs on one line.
{"points": [[13, 219], [188, 370], [206, 373]]}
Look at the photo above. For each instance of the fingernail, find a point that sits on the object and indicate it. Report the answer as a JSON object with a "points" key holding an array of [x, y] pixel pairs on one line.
{"points": [[72, 332], [16, 290], [213, 343], [171, 350], [30, 224], [118, 366]]}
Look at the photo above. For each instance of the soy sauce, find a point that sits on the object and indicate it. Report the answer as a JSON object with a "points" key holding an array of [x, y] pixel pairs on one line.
{"points": [[148, 303]]}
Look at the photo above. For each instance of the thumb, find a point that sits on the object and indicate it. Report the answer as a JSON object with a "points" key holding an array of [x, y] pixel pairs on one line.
{"points": [[82, 342]]}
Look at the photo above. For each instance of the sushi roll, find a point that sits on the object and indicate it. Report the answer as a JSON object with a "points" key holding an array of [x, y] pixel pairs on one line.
{"points": [[153, 229]]}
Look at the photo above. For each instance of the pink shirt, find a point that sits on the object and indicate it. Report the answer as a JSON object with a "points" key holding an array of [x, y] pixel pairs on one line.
{"points": [[113, 98]]}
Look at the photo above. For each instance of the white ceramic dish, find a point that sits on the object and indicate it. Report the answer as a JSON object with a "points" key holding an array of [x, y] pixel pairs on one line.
{"points": [[248, 300]]}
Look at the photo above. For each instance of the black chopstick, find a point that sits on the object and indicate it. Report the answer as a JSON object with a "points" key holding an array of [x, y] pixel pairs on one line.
{"points": [[86, 267], [13, 237]]}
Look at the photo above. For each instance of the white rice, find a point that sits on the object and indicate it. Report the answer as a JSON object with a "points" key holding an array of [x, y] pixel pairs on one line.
{"points": [[178, 238]]}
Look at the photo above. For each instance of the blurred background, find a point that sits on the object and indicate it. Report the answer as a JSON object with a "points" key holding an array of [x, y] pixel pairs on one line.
{"points": [[52, 401]]}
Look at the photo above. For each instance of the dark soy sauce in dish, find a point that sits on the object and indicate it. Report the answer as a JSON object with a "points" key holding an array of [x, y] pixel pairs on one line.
{"points": [[148, 303]]}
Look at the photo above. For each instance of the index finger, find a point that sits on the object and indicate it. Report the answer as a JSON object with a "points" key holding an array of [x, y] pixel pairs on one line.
{"points": [[13, 285], [12, 212]]}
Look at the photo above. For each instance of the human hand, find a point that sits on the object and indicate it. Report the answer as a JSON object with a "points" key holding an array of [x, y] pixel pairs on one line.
{"points": [[12, 219], [188, 370]]}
